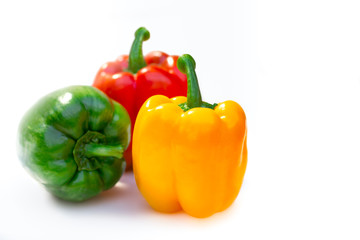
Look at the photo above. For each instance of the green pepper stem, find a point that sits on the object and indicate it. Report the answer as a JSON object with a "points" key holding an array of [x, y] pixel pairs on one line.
{"points": [[186, 64], [136, 57], [99, 150]]}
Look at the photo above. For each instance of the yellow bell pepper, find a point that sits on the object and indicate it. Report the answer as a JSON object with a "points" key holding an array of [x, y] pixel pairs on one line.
{"points": [[189, 154]]}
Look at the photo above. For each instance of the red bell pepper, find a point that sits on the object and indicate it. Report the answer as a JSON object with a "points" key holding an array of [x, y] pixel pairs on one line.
{"points": [[132, 79]]}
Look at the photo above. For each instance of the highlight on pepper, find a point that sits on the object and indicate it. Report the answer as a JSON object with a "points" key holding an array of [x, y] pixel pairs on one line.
{"points": [[133, 78], [188, 154]]}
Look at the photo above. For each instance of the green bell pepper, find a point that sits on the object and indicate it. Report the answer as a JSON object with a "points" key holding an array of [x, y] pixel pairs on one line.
{"points": [[72, 141]]}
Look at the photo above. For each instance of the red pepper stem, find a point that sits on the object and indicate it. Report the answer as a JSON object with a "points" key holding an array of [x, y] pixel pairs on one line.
{"points": [[136, 57], [186, 64]]}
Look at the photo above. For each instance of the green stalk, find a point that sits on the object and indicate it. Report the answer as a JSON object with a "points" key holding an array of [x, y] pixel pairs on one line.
{"points": [[186, 64], [91, 147], [136, 57], [98, 150]]}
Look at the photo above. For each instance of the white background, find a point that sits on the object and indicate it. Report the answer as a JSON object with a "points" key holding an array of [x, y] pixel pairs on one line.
{"points": [[294, 66]]}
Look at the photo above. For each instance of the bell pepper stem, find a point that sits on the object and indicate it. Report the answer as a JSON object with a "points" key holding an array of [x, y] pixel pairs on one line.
{"points": [[89, 149], [99, 150], [186, 64], [136, 57]]}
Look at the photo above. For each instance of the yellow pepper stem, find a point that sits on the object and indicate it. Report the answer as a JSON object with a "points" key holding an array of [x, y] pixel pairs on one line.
{"points": [[186, 64]]}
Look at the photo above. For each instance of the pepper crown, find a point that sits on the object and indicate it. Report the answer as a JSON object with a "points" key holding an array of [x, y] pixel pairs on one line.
{"points": [[91, 147], [186, 64]]}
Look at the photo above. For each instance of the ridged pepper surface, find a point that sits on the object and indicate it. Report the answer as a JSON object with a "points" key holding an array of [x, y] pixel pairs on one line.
{"points": [[72, 141], [189, 154], [133, 78]]}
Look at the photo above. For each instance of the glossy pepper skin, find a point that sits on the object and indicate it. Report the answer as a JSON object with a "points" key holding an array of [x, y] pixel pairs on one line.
{"points": [[72, 142], [132, 79], [189, 154]]}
